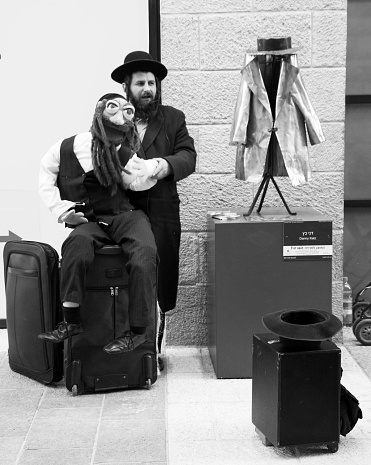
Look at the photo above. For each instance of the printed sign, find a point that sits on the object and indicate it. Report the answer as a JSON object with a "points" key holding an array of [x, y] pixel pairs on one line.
{"points": [[310, 240]]}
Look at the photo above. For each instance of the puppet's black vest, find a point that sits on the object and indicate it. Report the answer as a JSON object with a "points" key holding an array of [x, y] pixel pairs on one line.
{"points": [[77, 186]]}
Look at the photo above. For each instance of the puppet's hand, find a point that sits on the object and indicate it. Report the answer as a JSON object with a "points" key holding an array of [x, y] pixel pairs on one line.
{"points": [[74, 218], [139, 167]]}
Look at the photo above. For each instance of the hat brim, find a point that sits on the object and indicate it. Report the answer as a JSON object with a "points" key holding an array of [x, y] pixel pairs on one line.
{"points": [[288, 51], [155, 67], [303, 324]]}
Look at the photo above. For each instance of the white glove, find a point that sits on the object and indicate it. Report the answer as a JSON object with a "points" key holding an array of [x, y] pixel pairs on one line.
{"points": [[71, 217], [139, 167]]}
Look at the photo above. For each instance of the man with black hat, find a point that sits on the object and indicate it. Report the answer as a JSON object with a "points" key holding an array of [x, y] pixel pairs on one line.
{"points": [[164, 136]]}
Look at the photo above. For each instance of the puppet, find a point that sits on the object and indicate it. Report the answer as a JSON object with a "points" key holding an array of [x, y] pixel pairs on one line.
{"points": [[83, 180], [112, 127]]}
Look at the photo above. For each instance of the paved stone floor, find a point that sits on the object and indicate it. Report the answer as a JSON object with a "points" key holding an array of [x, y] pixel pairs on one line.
{"points": [[188, 418]]}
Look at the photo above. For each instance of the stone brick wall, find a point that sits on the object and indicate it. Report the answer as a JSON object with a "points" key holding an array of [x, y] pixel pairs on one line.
{"points": [[203, 45]]}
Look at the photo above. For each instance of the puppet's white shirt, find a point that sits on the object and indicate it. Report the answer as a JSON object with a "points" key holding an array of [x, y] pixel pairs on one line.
{"points": [[49, 169]]}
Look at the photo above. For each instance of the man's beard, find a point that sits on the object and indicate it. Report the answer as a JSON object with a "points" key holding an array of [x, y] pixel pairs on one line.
{"points": [[144, 111]]}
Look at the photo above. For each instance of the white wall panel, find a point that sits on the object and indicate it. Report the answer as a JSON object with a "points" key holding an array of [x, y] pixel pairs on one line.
{"points": [[56, 60]]}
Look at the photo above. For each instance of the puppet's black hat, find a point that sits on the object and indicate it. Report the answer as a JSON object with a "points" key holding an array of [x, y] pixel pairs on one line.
{"points": [[302, 324], [274, 46], [139, 61]]}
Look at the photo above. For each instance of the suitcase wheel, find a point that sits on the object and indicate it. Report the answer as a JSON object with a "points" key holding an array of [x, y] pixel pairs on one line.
{"points": [[148, 370], [333, 447], [73, 379]]}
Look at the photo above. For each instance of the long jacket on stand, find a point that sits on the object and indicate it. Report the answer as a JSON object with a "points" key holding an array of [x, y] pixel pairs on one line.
{"points": [[254, 123]]}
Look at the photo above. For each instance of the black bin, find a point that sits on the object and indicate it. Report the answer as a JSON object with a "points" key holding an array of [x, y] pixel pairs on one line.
{"points": [[296, 392]]}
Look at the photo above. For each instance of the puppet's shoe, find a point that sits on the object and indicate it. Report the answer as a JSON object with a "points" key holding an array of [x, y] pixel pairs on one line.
{"points": [[63, 331], [127, 342]]}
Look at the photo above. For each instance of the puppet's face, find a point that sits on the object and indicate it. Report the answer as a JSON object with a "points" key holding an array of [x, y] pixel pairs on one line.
{"points": [[118, 111], [117, 116]]}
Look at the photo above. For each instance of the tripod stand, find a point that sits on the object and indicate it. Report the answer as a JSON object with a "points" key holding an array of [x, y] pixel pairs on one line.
{"points": [[264, 185], [270, 66]]}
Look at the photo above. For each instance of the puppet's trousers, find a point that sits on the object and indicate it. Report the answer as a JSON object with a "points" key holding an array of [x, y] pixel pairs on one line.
{"points": [[132, 231]]}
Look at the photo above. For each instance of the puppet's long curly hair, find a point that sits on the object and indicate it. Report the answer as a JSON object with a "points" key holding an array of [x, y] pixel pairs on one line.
{"points": [[106, 162]]}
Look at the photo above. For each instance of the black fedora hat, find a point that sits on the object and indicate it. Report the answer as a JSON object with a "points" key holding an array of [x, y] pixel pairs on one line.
{"points": [[139, 61], [303, 324], [274, 46]]}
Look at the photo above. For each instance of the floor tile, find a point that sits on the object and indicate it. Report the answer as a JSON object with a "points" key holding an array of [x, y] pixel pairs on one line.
{"points": [[12, 380], [190, 422], [10, 447], [135, 440], [350, 451], [16, 423], [58, 396], [225, 453], [131, 463], [184, 360], [232, 421], [136, 404], [200, 387], [63, 428], [56, 457], [20, 400]]}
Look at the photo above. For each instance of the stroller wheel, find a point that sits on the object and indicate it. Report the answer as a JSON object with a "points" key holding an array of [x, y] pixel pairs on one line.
{"points": [[355, 323], [358, 309], [363, 332]]}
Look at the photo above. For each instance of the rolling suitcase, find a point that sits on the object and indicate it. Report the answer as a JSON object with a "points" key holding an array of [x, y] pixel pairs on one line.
{"points": [[31, 271], [104, 316]]}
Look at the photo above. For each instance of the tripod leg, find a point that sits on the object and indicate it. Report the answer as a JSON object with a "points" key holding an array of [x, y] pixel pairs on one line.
{"points": [[283, 200], [262, 184], [263, 195]]}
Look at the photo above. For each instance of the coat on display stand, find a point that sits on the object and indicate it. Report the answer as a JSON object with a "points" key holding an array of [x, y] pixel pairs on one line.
{"points": [[273, 116]]}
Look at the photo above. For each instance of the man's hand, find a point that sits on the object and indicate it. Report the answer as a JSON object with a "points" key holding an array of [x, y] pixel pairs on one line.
{"points": [[74, 218], [163, 169]]}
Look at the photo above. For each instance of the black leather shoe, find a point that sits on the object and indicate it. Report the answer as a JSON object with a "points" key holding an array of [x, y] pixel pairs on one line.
{"points": [[127, 342], [62, 332]]}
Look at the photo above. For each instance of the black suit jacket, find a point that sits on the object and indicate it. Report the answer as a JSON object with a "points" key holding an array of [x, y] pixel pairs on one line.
{"points": [[166, 137]]}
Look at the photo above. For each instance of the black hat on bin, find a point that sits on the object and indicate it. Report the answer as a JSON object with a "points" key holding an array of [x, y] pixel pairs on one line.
{"points": [[302, 325], [274, 46], [139, 61]]}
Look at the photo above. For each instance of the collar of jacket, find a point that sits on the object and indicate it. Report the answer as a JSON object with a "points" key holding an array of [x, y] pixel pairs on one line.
{"points": [[254, 79], [154, 126]]}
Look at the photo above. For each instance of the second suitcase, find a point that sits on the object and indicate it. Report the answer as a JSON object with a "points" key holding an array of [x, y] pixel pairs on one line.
{"points": [[104, 316], [31, 271]]}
